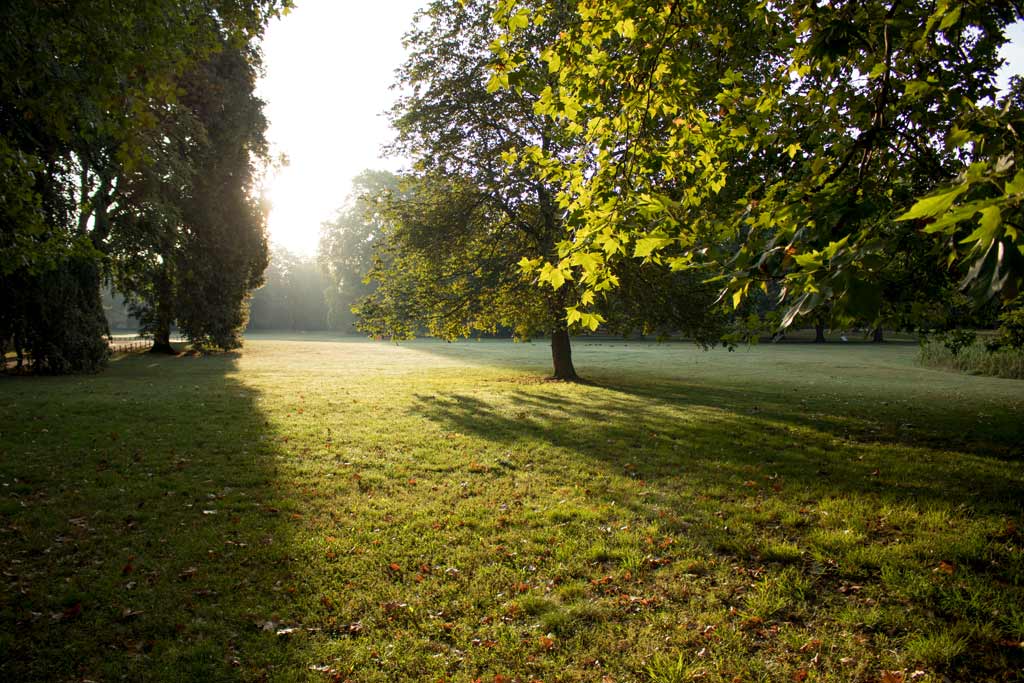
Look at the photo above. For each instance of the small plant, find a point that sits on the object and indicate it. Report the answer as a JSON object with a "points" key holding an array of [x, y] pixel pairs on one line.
{"points": [[958, 340], [936, 649], [665, 669]]}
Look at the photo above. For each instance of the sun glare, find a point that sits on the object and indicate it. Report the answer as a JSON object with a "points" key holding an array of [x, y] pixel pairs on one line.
{"points": [[329, 69]]}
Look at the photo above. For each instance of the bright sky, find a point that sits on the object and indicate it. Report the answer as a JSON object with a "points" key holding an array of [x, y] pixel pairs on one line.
{"points": [[329, 67]]}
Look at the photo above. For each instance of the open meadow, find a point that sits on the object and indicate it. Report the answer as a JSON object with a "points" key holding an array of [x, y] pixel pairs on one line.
{"points": [[316, 509]]}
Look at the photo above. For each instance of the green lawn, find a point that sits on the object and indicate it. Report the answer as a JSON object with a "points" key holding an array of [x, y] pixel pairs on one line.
{"points": [[311, 509]]}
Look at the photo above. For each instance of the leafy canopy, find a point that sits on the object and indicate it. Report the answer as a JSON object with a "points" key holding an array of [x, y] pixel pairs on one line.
{"points": [[792, 142]]}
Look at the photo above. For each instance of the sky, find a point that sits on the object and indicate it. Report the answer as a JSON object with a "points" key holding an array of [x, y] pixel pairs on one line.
{"points": [[329, 66]]}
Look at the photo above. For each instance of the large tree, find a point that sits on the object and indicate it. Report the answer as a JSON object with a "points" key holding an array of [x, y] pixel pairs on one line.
{"points": [[457, 128], [791, 143], [475, 213], [85, 92], [190, 234]]}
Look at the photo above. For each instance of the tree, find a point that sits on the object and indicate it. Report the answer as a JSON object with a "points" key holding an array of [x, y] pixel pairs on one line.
{"points": [[85, 89], [476, 213], [348, 242], [191, 237], [457, 127], [815, 137]]}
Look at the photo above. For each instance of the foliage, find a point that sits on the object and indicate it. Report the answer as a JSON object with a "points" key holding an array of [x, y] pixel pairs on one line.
{"points": [[347, 244], [446, 267], [57, 318], [487, 214], [957, 340], [1010, 334], [86, 94], [787, 143], [452, 268], [540, 530], [192, 249], [972, 357]]}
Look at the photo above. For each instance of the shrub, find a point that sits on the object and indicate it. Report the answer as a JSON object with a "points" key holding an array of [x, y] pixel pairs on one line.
{"points": [[974, 359]]}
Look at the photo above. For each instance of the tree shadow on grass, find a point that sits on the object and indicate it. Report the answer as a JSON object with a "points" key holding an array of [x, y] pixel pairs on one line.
{"points": [[722, 438], [143, 532]]}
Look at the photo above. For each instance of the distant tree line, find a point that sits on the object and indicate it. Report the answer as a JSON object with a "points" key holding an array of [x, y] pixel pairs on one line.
{"points": [[292, 296], [319, 293]]}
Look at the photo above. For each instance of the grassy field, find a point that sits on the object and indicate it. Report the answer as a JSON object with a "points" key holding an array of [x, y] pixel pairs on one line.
{"points": [[319, 510]]}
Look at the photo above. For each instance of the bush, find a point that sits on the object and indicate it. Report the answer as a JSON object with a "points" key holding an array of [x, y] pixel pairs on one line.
{"points": [[1010, 334], [975, 358]]}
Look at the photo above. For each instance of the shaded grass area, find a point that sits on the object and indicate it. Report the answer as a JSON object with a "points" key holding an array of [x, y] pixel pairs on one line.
{"points": [[313, 509]]}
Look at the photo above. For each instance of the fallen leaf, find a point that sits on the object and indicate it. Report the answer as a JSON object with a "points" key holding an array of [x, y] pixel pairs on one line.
{"points": [[810, 645], [892, 677]]}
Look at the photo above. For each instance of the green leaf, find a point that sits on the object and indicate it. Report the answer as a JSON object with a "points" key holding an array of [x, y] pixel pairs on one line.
{"points": [[950, 19], [988, 227], [519, 20], [554, 62], [527, 265], [935, 205], [1015, 186], [589, 261], [917, 89], [553, 275], [647, 245], [626, 28]]}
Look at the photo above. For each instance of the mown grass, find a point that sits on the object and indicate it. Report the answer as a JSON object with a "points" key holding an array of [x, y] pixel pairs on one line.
{"points": [[316, 510], [974, 359]]}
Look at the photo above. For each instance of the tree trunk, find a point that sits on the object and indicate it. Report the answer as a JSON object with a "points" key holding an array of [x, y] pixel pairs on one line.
{"points": [[163, 305], [819, 332], [561, 355], [162, 340], [876, 336]]}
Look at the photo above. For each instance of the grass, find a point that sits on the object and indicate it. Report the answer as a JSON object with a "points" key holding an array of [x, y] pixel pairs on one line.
{"points": [[975, 359], [318, 510]]}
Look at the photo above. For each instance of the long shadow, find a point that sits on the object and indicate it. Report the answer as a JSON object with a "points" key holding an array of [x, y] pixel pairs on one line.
{"points": [[894, 413], [141, 535], [719, 436]]}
